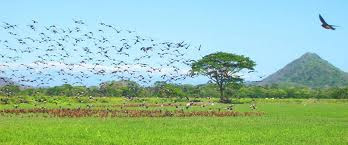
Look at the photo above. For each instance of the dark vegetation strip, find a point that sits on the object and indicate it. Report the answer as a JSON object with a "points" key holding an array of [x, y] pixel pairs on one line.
{"points": [[76, 113], [202, 104], [119, 89]]}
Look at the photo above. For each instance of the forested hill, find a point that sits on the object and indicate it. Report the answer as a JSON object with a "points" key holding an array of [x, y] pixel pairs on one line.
{"points": [[308, 70]]}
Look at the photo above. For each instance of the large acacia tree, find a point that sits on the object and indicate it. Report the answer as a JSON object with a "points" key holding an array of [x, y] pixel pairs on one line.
{"points": [[222, 69]]}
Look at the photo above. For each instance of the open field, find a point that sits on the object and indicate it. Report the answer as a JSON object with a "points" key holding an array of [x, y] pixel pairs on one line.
{"points": [[287, 121], [180, 72]]}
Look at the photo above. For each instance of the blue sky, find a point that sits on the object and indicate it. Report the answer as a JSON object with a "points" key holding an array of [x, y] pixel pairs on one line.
{"points": [[271, 32]]}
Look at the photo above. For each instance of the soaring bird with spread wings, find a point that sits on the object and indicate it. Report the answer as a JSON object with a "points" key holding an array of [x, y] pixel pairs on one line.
{"points": [[326, 25]]}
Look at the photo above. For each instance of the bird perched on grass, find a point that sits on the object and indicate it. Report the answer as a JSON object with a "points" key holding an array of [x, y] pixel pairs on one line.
{"points": [[326, 25], [253, 106], [15, 106], [188, 105], [230, 108]]}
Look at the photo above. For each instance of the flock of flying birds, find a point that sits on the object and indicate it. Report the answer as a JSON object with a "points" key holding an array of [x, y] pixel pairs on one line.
{"points": [[42, 55]]}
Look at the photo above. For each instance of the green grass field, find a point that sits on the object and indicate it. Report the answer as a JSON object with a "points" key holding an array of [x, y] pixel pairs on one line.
{"points": [[285, 122]]}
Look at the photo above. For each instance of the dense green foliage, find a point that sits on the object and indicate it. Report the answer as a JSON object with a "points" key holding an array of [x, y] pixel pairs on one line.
{"points": [[309, 70], [164, 90], [222, 68]]}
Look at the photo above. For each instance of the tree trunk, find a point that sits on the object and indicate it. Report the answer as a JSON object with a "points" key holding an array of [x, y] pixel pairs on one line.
{"points": [[222, 98]]}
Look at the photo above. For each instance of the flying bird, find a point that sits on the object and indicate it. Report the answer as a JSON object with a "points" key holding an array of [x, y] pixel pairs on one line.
{"points": [[52, 47], [326, 25]]}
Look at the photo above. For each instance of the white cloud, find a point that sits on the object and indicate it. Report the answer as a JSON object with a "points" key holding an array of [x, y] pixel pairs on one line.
{"points": [[87, 67]]}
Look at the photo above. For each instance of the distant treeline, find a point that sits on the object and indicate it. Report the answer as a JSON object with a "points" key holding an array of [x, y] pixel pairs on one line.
{"points": [[162, 89]]}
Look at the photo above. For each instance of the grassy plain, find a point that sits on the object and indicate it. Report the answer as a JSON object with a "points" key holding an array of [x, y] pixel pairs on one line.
{"points": [[287, 121]]}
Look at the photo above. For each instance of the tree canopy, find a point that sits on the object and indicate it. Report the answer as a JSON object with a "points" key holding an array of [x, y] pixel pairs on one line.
{"points": [[222, 68]]}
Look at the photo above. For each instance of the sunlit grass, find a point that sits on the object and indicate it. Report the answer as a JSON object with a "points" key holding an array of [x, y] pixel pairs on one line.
{"points": [[304, 122]]}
